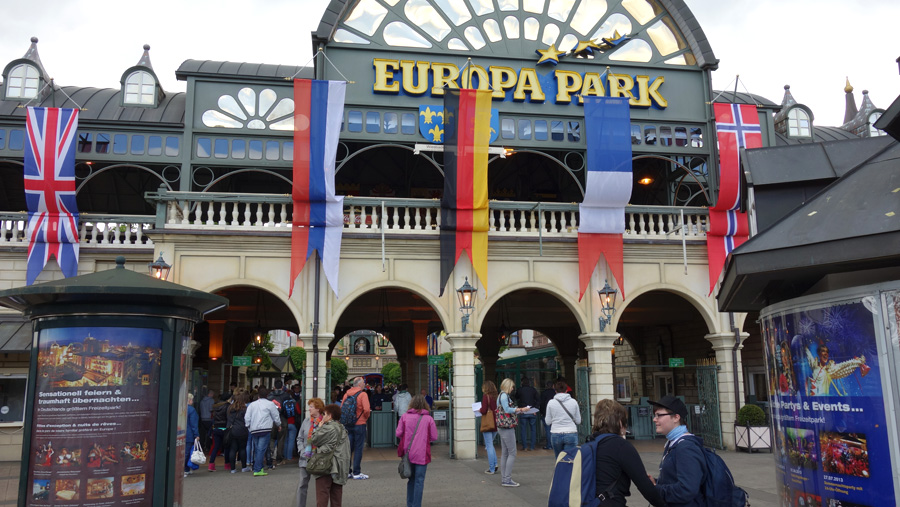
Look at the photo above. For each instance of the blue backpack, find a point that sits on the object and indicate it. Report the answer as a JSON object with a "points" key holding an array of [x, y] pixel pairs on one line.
{"points": [[289, 406], [348, 411], [574, 482], [719, 489]]}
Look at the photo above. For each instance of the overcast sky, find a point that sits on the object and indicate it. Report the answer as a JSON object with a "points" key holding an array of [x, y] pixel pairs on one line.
{"points": [[810, 44]]}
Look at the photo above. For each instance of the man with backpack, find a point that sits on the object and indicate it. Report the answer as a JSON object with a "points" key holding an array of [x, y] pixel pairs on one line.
{"points": [[355, 412]]}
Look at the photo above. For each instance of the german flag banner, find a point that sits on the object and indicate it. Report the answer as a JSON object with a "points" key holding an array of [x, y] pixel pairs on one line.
{"points": [[464, 206]]}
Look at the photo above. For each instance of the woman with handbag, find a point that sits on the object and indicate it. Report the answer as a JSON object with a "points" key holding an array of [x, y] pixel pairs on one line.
{"points": [[563, 416], [489, 423], [309, 426], [507, 419], [192, 435], [416, 430], [331, 461], [238, 434]]}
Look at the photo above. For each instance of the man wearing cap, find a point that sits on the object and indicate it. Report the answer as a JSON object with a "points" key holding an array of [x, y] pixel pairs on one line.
{"points": [[683, 466]]}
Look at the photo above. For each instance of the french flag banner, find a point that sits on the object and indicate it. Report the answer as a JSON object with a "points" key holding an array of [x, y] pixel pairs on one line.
{"points": [[49, 172], [607, 122], [737, 126], [318, 217]]}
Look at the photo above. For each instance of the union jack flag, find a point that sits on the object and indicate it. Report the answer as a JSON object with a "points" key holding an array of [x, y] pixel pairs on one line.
{"points": [[50, 190]]}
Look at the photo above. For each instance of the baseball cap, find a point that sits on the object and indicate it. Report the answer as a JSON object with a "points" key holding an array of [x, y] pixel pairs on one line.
{"points": [[674, 405]]}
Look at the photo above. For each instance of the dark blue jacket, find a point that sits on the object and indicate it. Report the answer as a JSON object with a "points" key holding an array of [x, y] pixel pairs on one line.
{"points": [[193, 421], [682, 472]]}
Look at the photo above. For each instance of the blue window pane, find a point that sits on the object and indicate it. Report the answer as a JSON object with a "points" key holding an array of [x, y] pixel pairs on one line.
{"points": [[556, 131], [2, 139], [272, 150], [508, 128], [204, 147], [665, 136], [238, 149], [16, 139], [171, 146], [390, 123], [221, 148], [635, 134], [154, 145], [354, 121], [524, 129], [574, 131], [373, 122], [84, 142], [408, 125], [120, 144], [287, 153], [540, 130], [102, 145], [256, 150], [137, 144]]}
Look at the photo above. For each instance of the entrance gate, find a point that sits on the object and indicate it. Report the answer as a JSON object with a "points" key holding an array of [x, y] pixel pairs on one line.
{"points": [[583, 396], [710, 425]]}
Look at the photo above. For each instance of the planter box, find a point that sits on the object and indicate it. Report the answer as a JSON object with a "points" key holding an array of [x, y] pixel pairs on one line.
{"points": [[753, 438]]}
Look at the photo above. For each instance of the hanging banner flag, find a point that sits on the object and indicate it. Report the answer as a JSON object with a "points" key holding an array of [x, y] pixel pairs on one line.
{"points": [[50, 190], [318, 218], [737, 126], [607, 123], [464, 206]]}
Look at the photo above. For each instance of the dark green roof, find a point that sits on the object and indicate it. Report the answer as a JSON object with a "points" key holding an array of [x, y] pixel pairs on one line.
{"points": [[200, 68], [104, 104]]}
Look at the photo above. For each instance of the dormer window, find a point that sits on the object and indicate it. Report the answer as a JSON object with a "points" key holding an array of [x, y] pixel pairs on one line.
{"points": [[874, 132], [140, 88], [23, 82], [798, 123]]}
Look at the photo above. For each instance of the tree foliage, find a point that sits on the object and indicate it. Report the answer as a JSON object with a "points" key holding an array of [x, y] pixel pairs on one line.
{"points": [[392, 374], [297, 355], [444, 369], [263, 350], [338, 371]]}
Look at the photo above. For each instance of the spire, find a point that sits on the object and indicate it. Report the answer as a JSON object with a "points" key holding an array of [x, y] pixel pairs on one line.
{"points": [[849, 103], [32, 54], [786, 104], [145, 58]]}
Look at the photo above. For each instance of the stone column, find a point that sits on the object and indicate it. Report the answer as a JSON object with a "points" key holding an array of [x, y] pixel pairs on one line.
{"points": [[463, 347], [722, 344], [324, 340], [602, 378]]}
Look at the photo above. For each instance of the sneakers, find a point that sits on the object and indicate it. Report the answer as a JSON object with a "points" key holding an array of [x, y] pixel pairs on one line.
{"points": [[246, 469], [490, 472], [359, 476], [263, 473], [350, 475], [510, 484], [234, 471]]}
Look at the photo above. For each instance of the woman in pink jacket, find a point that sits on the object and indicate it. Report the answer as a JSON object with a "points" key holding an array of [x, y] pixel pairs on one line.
{"points": [[420, 450]]}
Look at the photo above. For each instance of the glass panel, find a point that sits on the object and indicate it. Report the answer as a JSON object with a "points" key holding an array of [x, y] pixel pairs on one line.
{"points": [[574, 131], [285, 124], [139, 88], [346, 37], [102, 145], [23, 82], [455, 11], [551, 33], [408, 126], [696, 137], [204, 147], [256, 150], [524, 129], [13, 390], [426, 17], [221, 148], [481, 7], [284, 108], [273, 150], [137, 144], [508, 5], [568, 42], [650, 135], [535, 6], [681, 137], [172, 146], [508, 128], [474, 37], [560, 9], [267, 97], [366, 17], [120, 144], [532, 27], [398, 33], [665, 136], [373, 122], [154, 145], [16, 140], [457, 45], [556, 131], [213, 118], [287, 153], [511, 25], [492, 29], [540, 130], [84, 142], [2, 139], [677, 60], [642, 10], [354, 121], [664, 38], [587, 15], [390, 123], [247, 97], [614, 23], [635, 50], [238, 149], [635, 134]]}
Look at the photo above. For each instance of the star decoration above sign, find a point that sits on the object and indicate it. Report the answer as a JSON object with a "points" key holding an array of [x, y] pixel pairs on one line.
{"points": [[585, 48], [613, 41], [549, 55]]}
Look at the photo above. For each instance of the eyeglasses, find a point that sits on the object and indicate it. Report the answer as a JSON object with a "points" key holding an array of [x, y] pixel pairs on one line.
{"points": [[661, 414]]}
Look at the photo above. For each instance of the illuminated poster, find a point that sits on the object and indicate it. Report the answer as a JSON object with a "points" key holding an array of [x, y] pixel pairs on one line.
{"points": [[94, 427], [826, 396]]}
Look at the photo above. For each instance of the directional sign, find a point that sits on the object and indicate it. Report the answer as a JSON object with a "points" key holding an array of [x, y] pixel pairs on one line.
{"points": [[676, 362], [240, 361], [436, 360]]}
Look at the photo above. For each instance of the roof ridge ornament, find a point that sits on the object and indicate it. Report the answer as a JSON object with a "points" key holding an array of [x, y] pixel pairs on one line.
{"points": [[32, 54], [145, 58]]}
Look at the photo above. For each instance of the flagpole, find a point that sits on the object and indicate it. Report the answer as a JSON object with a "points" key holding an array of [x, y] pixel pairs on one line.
{"points": [[315, 329]]}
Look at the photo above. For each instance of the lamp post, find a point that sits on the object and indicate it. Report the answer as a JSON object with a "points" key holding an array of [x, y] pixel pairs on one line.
{"points": [[466, 295], [607, 304], [159, 269]]}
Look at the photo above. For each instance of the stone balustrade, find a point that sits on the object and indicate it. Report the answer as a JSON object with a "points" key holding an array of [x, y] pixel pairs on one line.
{"points": [[94, 230]]}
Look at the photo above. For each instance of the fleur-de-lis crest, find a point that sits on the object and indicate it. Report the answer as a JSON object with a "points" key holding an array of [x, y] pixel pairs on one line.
{"points": [[429, 115], [436, 133]]}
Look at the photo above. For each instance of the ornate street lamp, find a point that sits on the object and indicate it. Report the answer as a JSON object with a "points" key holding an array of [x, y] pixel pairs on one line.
{"points": [[466, 295], [607, 304], [159, 269]]}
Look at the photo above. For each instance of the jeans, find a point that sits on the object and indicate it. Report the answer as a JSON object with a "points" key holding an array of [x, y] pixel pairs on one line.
{"points": [[217, 447], [415, 486], [548, 444], [237, 448], [290, 442], [563, 441], [507, 452], [260, 445], [250, 449], [357, 442], [528, 425], [303, 487], [489, 446]]}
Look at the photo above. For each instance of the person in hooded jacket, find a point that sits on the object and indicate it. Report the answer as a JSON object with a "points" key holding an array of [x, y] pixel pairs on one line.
{"points": [[416, 430], [331, 436], [563, 416], [237, 446]]}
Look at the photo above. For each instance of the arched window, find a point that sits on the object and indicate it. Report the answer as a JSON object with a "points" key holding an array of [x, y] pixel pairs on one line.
{"points": [[140, 88], [23, 82], [874, 132], [798, 123]]}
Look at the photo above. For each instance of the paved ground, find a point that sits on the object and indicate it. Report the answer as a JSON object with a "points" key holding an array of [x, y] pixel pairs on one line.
{"points": [[447, 483]]}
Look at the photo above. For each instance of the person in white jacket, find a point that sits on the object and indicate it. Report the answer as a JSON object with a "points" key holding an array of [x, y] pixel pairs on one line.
{"points": [[563, 416], [261, 416]]}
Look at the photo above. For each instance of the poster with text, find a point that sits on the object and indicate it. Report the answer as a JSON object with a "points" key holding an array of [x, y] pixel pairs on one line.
{"points": [[93, 434], [831, 446]]}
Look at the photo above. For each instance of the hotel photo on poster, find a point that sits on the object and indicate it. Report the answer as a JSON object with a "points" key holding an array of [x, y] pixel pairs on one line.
{"points": [[826, 398], [94, 427]]}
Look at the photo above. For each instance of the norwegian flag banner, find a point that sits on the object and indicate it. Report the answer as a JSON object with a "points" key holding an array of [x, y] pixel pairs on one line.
{"points": [[50, 190], [737, 126]]}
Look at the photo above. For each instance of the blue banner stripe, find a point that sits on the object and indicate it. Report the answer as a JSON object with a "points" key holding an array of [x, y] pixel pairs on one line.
{"points": [[318, 123], [608, 123]]}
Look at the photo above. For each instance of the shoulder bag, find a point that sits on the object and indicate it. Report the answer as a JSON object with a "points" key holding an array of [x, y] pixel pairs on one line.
{"points": [[487, 421], [320, 462], [566, 410], [405, 467], [504, 420]]}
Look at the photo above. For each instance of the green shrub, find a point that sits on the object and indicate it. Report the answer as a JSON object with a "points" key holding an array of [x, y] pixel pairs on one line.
{"points": [[751, 415]]}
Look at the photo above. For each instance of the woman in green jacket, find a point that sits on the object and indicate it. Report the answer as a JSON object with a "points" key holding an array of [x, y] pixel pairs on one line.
{"points": [[332, 437]]}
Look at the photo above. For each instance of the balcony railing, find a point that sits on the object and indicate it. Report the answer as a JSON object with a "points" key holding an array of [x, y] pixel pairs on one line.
{"points": [[95, 230]]}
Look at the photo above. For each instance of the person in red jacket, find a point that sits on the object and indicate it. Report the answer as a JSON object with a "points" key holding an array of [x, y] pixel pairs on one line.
{"points": [[416, 430]]}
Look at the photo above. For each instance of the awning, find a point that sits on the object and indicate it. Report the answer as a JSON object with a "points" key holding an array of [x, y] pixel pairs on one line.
{"points": [[15, 334]]}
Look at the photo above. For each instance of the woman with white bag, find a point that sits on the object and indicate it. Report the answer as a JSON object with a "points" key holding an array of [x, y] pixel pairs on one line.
{"points": [[192, 435]]}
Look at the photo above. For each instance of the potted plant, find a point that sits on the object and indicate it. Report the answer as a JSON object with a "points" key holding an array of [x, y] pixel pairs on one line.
{"points": [[751, 430]]}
